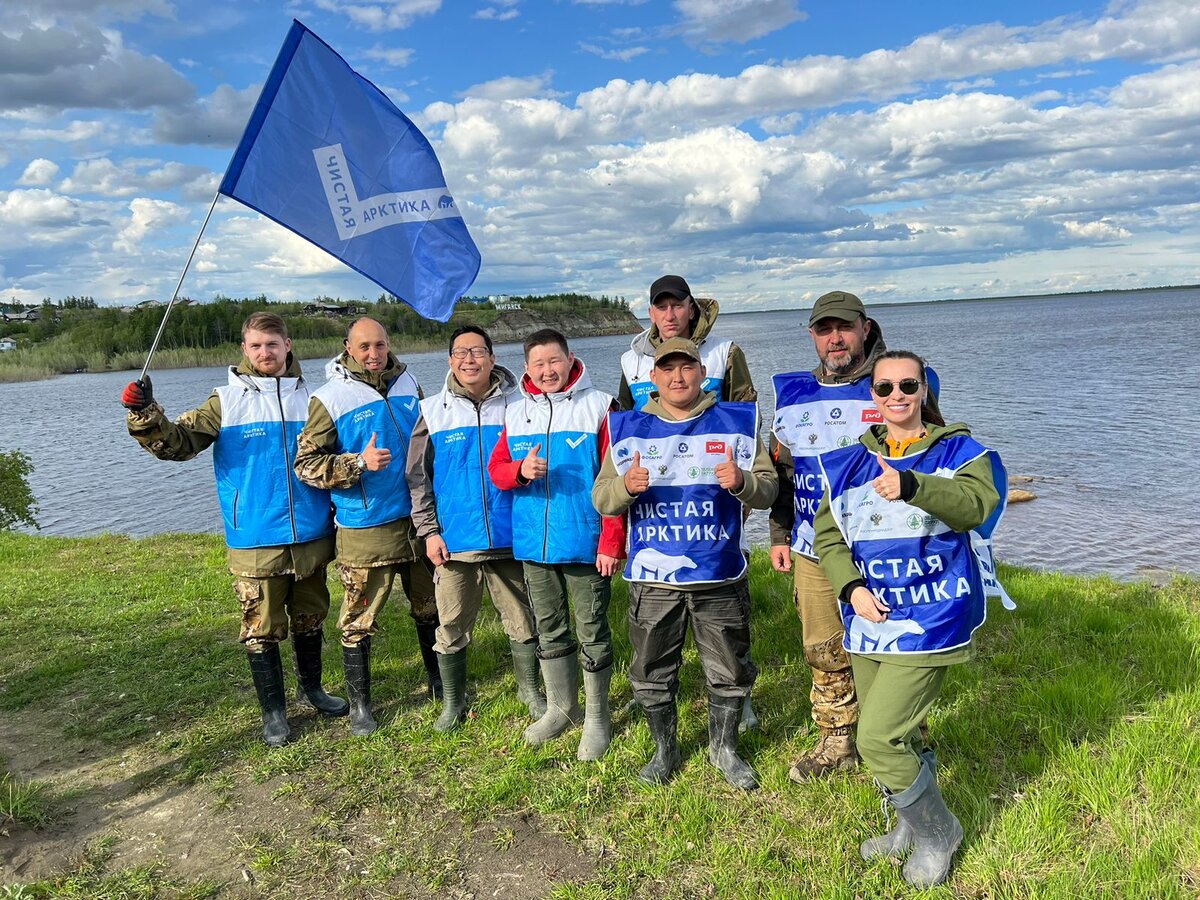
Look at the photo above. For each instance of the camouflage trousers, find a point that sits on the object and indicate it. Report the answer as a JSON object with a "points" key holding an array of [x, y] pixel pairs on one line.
{"points": [[367, 590], [834, 704], [269, 604]]}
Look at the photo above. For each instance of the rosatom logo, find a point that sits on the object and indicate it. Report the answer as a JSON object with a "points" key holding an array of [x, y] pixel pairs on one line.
{"points": [[872, 415], [683, 447], [835, 413], [714, 447]]}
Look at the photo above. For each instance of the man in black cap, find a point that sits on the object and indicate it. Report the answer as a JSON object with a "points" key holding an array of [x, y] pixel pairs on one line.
{"points": [[815, 412], [675, 313]]}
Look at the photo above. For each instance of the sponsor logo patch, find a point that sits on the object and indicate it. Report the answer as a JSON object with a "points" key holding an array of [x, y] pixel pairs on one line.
{"points": [[872, 415], [714, 447]]}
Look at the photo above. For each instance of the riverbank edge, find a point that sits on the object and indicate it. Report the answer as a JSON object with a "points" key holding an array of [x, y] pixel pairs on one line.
{"points": [[505, 327]]}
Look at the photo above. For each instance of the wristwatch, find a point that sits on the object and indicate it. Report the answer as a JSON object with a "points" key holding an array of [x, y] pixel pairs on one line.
{"points": [[361, 462]]}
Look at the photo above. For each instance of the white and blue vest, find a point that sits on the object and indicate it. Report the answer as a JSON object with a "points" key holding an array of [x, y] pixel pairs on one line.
{"points": [[638, 362], [553, 519], [931, 577], [473, 513], [686, 529], [812, 418], [358, 411], [263, 503]]}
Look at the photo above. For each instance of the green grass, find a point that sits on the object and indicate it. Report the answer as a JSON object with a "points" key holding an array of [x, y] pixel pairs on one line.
{"points": [[24, 802], [1069, 748]]}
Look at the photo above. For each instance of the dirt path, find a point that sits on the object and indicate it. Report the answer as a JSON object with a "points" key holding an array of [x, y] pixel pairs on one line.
{"points": [[137, 802]]}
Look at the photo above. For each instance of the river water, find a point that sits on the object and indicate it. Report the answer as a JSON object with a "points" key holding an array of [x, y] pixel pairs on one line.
{"points": [[1088, 393]]}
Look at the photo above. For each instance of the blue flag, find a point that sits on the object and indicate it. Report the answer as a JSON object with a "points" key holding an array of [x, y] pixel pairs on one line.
{"points": [[328, 156]]}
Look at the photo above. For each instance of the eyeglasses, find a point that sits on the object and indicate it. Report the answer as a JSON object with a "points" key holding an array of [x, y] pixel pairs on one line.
{"points": [[473, 352], [909, 385]]}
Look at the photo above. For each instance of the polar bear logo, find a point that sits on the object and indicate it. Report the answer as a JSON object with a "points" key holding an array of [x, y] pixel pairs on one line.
{"points": [[878, 637], [654, 565]]}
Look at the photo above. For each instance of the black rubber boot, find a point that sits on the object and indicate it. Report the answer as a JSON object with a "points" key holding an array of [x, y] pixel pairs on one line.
{"points": [[266, 669], [525, 669], [664, 728], [935, 831], [453, 668], [426, 636], [309, 692], [724, 713], [357, 662]]}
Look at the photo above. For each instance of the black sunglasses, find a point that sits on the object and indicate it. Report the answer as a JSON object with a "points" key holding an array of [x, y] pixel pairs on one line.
{"points": [[909, 385]]}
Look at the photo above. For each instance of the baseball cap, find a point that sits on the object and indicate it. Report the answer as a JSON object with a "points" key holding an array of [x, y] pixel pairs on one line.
{"points": [[676, 346], [670, 284], [837, 305]]}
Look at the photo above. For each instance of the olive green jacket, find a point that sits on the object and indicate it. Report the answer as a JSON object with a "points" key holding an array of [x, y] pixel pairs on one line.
{"points": [[320, 464], [737, 386], [962, 502], [193, 433]]}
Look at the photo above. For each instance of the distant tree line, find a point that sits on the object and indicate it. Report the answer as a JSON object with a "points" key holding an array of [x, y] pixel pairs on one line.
{"points": [[80, 323]]}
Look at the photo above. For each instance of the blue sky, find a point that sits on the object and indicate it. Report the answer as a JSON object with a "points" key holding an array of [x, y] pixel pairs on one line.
{"points": [[767, 150]]}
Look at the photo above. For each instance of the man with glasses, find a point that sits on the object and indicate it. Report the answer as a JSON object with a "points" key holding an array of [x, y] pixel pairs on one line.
{"points": [[465, 521], [818, 411]]}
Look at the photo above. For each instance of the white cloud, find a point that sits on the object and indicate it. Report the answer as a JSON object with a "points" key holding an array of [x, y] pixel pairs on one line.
{"points": [[37, 208], [503, 11], [392, 56], [719, 21], [388, 16], [146, 215], [132, 176], [1095, 231], [510, 87], [624, 55], [218, 119], [39, 173]]}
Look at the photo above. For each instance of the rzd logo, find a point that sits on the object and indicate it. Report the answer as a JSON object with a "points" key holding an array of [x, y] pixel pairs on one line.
{"points": [[714, 447]]}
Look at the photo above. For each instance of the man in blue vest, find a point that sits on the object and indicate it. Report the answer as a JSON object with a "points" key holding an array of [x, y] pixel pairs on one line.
{"points": [[683, 467], [279, 532], [466, 521], [364, 412], [814, 412]]}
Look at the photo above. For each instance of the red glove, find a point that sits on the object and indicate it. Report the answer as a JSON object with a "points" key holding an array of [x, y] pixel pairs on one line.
{"points": [[138, 394]]}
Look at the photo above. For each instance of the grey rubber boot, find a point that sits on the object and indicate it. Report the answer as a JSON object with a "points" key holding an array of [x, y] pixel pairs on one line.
{"points": [[664, 728], [562, 700], [307, 648], [266, 669], [597, 720], [749, 720], [895, 843], [723, 716], [356, 661], [936, 833], [453, 670], [426, 638], [525, 669]]}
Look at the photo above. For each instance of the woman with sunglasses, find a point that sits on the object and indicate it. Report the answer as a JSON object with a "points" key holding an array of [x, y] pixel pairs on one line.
{"points": [[894, 535]]}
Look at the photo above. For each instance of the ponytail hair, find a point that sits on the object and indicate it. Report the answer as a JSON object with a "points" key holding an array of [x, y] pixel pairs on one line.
{"points": [[929, 409]]}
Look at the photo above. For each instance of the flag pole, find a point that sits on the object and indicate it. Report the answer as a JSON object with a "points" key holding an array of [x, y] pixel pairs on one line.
{"points": [[163, 324]]}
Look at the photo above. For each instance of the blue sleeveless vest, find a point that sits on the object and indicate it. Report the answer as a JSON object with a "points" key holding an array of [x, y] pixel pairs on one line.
{"points": [[686, 529], [263, 503], [553, 519], [473, 513], [929, 575], [812, 418], [358, 411], [638, 361]]}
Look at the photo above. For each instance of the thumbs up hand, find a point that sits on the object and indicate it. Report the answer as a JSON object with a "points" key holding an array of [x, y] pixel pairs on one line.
{"points": [[637, 476], [887, 485], [729, 476], [376, 458], [533, 466]]}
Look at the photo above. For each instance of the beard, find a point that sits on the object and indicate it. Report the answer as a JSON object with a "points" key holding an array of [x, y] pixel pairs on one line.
{"points": [[846, 362]]}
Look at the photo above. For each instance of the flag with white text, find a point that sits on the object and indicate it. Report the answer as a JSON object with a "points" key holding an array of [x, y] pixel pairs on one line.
{"points": [[327, 155]]}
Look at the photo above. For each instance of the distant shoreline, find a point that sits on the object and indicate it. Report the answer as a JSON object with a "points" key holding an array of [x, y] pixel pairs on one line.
{"points": [[1054, 296]]}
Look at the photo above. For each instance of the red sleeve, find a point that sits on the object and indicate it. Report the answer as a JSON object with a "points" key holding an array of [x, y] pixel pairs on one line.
{"points": [[502, 469], [612, 528]]}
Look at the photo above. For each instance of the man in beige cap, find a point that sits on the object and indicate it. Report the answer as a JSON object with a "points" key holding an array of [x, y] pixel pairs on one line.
{"points": [[817, 411]]}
